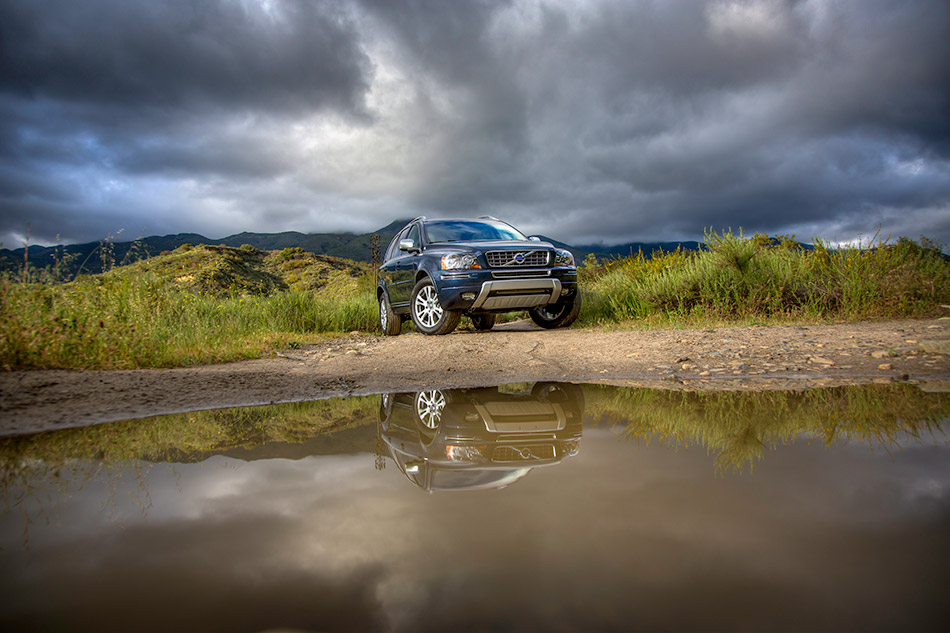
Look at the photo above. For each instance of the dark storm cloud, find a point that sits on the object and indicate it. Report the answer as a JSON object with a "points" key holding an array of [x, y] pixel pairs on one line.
{"points": [[586, 121], [184, 54]]}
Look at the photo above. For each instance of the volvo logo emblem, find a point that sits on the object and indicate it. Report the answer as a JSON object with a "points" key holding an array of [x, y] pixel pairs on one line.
{"points": [[518, 258]]}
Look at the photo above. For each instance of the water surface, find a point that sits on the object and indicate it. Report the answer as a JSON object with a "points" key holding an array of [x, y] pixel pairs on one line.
{"points": [[523, 508]]}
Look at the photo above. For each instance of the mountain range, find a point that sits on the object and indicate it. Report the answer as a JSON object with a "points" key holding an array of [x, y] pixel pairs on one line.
{"points": [[91, 256]]}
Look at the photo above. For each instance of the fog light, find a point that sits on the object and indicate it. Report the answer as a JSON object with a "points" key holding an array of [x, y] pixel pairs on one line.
{"points": [[468, 296], [564, 292]]}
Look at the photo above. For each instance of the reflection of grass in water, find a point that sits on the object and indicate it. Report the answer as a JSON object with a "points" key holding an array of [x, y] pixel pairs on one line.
{"points": [[59, 455], [739, 426], [35, 468]]}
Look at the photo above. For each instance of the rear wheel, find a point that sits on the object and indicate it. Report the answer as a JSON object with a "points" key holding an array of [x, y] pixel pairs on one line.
{"points": [[389, 321], [483, 322], [428, 315], [557, 314]]}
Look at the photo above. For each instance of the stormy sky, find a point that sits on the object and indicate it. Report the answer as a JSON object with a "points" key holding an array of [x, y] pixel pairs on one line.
{"points": [[584, 121]]}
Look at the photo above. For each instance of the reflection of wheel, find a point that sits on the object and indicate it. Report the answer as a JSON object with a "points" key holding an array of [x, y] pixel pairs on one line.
{"points": [[557, 314], [428, 314], [389, 322], [560, 392], [385, 410], [483, 322], [428, 406]]}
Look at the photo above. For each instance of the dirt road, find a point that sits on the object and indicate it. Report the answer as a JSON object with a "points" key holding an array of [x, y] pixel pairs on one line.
{"points": [[774, 357]]}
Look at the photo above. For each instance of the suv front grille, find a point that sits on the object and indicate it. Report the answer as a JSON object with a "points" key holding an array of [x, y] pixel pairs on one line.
{"points": [[522, 453], [501, 259]]}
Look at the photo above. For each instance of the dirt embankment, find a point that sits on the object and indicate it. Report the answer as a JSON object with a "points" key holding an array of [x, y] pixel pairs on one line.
{"points": [[773, 357]]}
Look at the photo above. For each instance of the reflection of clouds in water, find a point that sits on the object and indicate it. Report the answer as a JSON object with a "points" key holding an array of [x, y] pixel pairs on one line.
{"points": [[619, 535]]}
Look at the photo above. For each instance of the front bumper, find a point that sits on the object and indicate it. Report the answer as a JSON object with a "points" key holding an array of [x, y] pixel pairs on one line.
{"points": [[481, 292], [514, 294]]}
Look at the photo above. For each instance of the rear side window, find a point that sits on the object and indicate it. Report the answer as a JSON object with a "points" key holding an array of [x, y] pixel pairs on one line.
{"points": [[393, 249]]}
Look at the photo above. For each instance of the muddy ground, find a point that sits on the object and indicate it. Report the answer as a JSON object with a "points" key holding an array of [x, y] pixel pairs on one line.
{"points": [[772, 357]]}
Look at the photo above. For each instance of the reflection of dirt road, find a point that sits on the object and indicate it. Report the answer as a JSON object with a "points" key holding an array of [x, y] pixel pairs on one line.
{"points": [[775, 357]]}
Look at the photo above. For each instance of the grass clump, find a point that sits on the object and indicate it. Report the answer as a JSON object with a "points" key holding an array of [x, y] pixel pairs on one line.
{"points": [[737, 278]]}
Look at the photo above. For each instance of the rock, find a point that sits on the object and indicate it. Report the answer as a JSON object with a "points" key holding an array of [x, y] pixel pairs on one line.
{"points": [[885, 366], [935, 347], [935, 386], [879, 354], [818, 360]]}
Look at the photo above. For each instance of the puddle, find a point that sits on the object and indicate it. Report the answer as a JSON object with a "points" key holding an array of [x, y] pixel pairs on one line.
{"points": [[547, 507]]}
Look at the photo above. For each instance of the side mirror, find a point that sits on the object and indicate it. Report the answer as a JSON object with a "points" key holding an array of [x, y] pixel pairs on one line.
{"points": [[407, 245], [534, 238]]}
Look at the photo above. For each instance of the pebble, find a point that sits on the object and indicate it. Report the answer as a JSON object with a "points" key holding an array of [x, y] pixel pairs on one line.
{"points": [[885, 366]]}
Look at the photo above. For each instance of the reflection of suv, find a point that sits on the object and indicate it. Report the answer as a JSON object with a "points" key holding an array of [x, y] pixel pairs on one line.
{"points": [[465, 439], [437, 270]]}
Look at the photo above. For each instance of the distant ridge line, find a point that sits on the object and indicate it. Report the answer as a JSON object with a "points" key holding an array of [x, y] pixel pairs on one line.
{"points": [[344, 245]]}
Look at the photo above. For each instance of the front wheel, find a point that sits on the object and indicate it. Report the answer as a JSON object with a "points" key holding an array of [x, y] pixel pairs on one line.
{"points": [[557, 314], [428, 315]]}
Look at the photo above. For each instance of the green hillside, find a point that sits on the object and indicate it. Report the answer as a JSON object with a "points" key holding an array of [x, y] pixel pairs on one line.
{"points": [[192, 305], [223, 270]]}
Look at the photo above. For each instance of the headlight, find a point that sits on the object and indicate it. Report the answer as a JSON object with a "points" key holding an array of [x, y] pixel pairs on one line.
{"points": [[464, 453], [563, 258], [458, 261]]}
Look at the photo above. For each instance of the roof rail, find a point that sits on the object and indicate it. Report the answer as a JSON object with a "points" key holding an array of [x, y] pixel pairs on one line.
{"points": [[488, 217], [421, 217]]}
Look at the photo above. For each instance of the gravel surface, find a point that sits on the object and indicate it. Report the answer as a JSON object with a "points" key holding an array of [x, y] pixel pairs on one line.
{"points": [[768, 357]]}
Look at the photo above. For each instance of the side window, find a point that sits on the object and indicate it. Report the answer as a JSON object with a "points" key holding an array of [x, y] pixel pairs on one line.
{"points": [[414, 235]]}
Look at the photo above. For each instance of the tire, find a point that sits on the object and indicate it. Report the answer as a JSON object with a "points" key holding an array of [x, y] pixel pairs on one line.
{"points": [[483, 322], [389, 321], [558, 314], [385, 412], [428, 315]]}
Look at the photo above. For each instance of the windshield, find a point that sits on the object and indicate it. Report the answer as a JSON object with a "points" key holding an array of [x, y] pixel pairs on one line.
{"points": [[470, 230]]}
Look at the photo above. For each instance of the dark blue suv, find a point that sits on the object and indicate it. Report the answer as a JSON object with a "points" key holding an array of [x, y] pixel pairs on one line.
{"points": [[437, 270]]}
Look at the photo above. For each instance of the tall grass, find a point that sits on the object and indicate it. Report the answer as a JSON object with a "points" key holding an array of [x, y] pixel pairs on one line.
{"points": [[108, 321], [738, 278]]}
